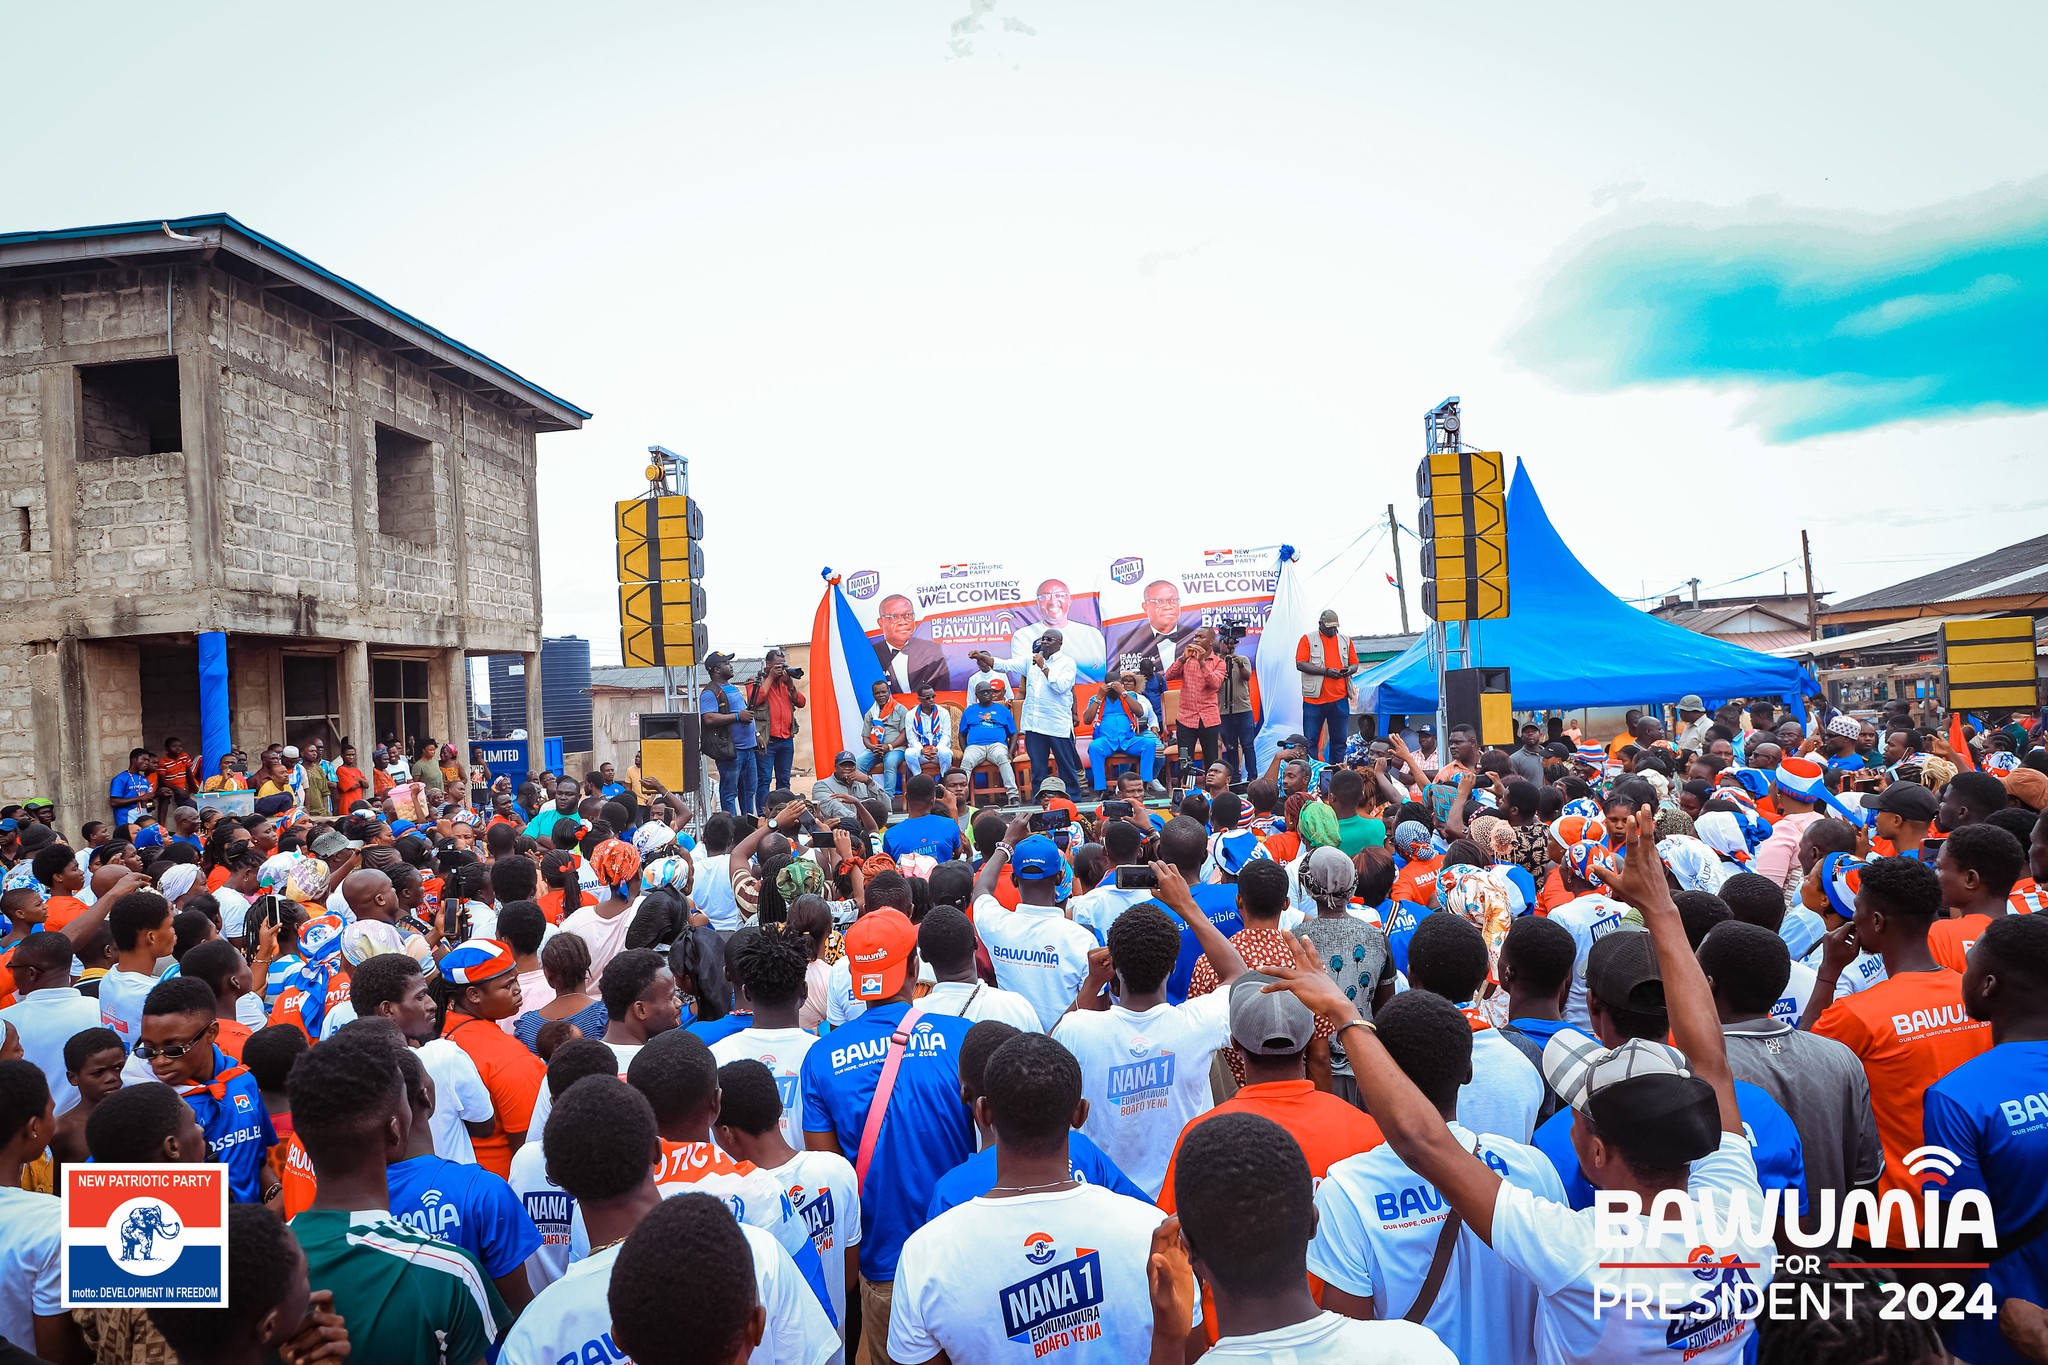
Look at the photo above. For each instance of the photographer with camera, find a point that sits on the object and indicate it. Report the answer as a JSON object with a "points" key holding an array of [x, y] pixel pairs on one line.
{"points": [[1200, 673], [774, 700], [1124, 724], [1234, 702]]}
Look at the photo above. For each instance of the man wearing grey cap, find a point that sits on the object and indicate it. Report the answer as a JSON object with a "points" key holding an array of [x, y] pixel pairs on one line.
{"points": [[1271, 1032], [1647, 1120]]}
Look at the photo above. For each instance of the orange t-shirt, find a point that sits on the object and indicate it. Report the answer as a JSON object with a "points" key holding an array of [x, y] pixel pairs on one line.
{"points": [[1336, 653], [511, 1073], [217, 878], [295, 1173], [2026, 897], [233, 1033], [1908, 1031], [61, 910], [1327, 1128], [1553, 893], [1416, 882], [1950, 939]]}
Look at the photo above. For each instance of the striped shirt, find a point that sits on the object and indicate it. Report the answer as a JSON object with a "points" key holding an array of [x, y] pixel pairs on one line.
{"points": [[409, 1299]]}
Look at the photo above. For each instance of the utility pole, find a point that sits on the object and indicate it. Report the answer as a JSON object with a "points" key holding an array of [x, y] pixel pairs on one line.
{"points": [[1400, 575], [1812, 607], [1695, 592]]}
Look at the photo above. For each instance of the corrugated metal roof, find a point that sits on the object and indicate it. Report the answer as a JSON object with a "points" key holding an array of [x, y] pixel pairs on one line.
{"points": [[2014, 571], [220, 231], [1897, 633], [1708, 620]]}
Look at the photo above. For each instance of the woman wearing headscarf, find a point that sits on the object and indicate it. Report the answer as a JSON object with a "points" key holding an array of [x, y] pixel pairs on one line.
{"points": [[1477, 896], [1496, 838], [1353, 951]]}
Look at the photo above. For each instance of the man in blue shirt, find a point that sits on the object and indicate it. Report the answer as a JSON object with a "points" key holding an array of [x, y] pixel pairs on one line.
{"points": [[987, 730], [976, 1176], [1124, 724], [925, 1132], [1625, 999], [458, 1201], [132, 789], [921, 831], [723, 704], [178, 1029], [1992, 1113], [1185, 844], [1840, 741]]}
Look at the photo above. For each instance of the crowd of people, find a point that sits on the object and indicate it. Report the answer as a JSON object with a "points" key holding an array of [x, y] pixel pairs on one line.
{"points": [[1331, 1062]]}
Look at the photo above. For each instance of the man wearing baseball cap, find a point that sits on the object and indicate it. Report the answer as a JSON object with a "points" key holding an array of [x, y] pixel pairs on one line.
{"points": [[900, 1142], [1645, 1120], [1625, 999], [1902, 813], [1038, 952]]}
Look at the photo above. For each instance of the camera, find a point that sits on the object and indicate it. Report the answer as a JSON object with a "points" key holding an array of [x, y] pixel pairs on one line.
{"points": [[1231, 631], [792, 672], [1132, 877]]}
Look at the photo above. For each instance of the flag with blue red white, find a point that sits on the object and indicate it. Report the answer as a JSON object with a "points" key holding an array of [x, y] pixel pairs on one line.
{"points": [[138, 1235]]}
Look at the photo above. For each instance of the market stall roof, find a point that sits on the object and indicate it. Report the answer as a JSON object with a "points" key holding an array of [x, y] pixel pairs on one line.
{"points": [[1569, 642]]}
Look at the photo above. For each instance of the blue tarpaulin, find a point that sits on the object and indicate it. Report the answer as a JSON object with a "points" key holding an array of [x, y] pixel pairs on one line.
{"points": [[1567, 642]]}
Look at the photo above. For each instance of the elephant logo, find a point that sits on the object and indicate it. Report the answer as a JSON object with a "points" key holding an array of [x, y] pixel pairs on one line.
{"points": [[146, 1222]]}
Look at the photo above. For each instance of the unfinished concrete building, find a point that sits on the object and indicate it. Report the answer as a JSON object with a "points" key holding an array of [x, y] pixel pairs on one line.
{"points": [[206, 436]]}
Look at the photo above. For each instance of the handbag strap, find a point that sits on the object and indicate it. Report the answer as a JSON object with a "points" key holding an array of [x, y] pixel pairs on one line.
{"points": [[1439, 1266], [871, 1132]]}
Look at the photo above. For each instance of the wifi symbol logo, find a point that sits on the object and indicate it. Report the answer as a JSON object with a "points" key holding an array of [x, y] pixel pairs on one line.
{"points": [[1934, 1164], [433, 1197]]}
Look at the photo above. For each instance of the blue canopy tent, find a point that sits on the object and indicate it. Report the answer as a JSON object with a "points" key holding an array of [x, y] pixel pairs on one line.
{"points": [[1568, 642]]}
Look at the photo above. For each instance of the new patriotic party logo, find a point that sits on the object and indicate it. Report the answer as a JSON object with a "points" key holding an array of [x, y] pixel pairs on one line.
{"points": [[142, 1235]]}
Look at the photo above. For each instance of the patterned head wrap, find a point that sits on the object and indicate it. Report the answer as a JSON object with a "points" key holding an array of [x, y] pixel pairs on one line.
{"points": [[1412, 840], [1477, 897], [1584, 858], [1578, 828], [673, 870], [1495, 835], [1586, 806], [799, 878], [1998, 762], [615, 862], [1318, 826], [1671, 820], [306, 880], [1692, 862]]}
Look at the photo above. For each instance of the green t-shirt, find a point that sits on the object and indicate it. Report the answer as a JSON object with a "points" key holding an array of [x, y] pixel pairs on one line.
{"points": [[408, 1299], [1358, 833]]}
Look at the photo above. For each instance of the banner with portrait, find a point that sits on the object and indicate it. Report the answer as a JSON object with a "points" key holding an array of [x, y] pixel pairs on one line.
{"points": [[927, 623]]}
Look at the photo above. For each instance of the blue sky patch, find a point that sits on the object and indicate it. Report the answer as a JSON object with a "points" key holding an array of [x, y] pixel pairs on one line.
{"points": [[1833, 324]]}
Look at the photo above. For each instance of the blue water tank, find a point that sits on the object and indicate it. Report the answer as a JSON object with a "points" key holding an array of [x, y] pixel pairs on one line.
{"points": [[565, 691], [508, 693]]}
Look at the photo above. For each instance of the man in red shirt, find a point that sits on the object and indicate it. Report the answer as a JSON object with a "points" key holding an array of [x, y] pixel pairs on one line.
{"points": [[775, 690], [1199, 671], [1910, 1029]]}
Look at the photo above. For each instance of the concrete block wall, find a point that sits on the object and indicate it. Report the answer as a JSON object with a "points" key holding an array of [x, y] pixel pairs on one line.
{"points": [[134, 533], [266, 525], [17, 726]]}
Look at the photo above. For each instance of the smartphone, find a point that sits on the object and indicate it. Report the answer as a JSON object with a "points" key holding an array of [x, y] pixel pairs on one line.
{"points": [[1117, 810], [1135, 878], [1930, 849], [1045, 821]]}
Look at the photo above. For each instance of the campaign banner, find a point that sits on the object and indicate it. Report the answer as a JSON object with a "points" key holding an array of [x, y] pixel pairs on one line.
{"points": [[927, 622], [136, 1236]]}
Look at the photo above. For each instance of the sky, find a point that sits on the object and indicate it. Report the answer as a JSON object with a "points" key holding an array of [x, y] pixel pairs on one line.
{"points": [[921, 280]]}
